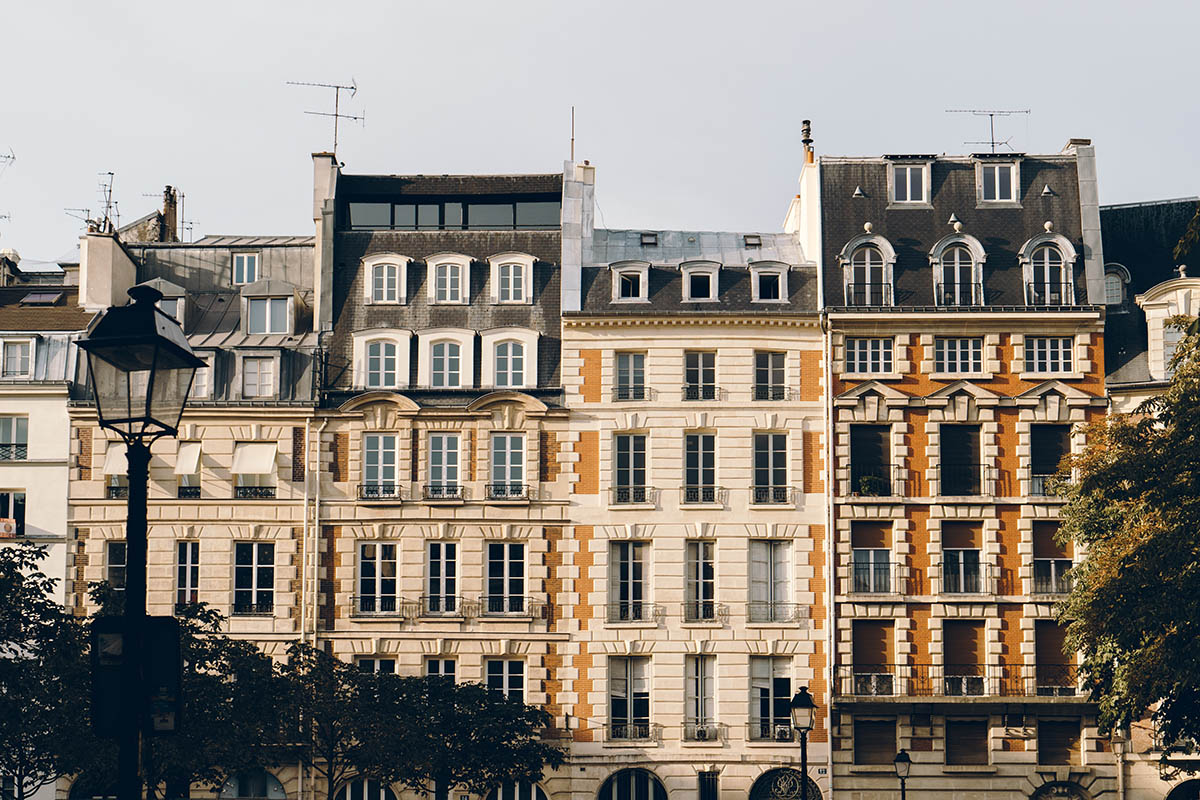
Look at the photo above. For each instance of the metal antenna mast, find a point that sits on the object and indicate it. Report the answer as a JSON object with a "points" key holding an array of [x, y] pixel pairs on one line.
{"points": [[106, 184], [991, 114], [337, 99]]}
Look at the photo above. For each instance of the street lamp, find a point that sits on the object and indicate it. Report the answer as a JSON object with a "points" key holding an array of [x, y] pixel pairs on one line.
{"points": [[141, 370], [903, 764], [804, 716]]}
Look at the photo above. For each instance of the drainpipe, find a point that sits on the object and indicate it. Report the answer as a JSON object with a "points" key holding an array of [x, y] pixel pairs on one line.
{"points": [[830, 536], [304, 536]]}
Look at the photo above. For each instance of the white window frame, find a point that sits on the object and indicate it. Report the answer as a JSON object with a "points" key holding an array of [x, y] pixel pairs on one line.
{"points": [[9, 504], [638, 268], [699, 692], [187, 571], [773, 589], [441, 668], [28, 342], [629, 677], [255, 567], [14, 437], [878, 348], [700, 580], [490, 341], [202, 381], [631, 592], [923, 180], [441, 590], [1014, 167], [377, 556], [962, 351], [712, 269], [1065, 346], [506, 578], [112, 564], [759, 269], [377, 446], [978, 255], [376, 664], [465, 339], [288, 315], [238, 272], [360, 341], [503, 469], [505, 675], [521, 264], [371, 263], [180, 306], [463, 263], [243, 374], [1029, 269], [764, 671], [445, 467]]}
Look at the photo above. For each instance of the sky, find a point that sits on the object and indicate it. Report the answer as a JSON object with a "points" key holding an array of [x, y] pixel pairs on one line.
{"points": [[690, 112]]}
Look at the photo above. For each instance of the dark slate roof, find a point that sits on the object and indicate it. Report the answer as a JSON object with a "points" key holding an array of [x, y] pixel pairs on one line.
{"points": [[217, 240], [544, 245], [1140, 237], [213, 319], [914, 231], [165, 287], [674, 247], [428, 185], [64, 315]]}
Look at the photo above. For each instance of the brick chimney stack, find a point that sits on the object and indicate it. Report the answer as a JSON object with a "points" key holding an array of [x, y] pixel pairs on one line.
{"points": [[169, 227]]}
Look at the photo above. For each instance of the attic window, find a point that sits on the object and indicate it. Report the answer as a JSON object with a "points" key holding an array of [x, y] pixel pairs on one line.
{"points": [[649, 240], [752, 240], [41, 298]]}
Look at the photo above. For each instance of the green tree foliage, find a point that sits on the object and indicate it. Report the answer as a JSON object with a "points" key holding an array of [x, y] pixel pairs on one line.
{"points": [[1134, 611]]}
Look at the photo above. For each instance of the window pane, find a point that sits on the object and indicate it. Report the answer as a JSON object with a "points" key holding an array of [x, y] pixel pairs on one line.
{"points": [[538, 215], [428, 216], [369, 215], [279, 315], [453, 213], [406, 216], [482, 216], [258, 316]]}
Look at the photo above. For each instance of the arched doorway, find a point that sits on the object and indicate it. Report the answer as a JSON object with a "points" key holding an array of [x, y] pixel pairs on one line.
{"points": [[253, 784], [1188, 790], [1060, 790], [632, 784], [363, 789], [517, 791], [783, 784]]}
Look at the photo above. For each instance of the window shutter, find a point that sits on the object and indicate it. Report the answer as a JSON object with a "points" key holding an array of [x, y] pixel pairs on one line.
{"points": [[966, 741], [873, 644], [871, 535], [1051, 639], [962, 536], [1058, 742], [963, 643], [780, 582], [1045, 544], [760, 571], [874, 741], [1049, 443]]}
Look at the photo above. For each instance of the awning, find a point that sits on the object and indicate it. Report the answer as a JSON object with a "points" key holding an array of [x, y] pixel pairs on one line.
{"points": [[188, 460], [114, 459], [254, 458]]}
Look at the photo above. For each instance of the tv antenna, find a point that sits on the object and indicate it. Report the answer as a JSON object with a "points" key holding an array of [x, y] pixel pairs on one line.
{"points": [[6, 159], [991, 114], [337, 99], [105, 186]]}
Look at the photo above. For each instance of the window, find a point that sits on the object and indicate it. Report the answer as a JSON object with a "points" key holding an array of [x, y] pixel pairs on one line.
{"points": [[443, 466], [434, 214], [770, 698], [187, 486], [870, 460], [631, 377], [381, 364], [999, 184], [381, 666], [253, 578], [385, 283], [14, 438], [258, 377], [869, 356], [1051, 284], [187, 572], [699, 375], [1058, 741], [448, 283], [378, 584], [172, 307], [507, 676], [770, 468], [245, 268], [12, 513], [700, 481], [505, 578], [116, 472], [868, 285], [956, 284], [254, 470], [115, 560], [1052, 560], [627, 583], [508, 466], [1172, 335], [629, 698], [1048, 354], [953, 355], [769, 379], [698, 698], [700, 587], [446, 365], [961, 464], [871, 556], [770, 586], [512, 283], [17, 362], [630, 281], [442, 569], [961, 547], [253, 784], [510, 364], [873, 649], [440, 668], [963, 643], [267, 315], [1114, 289], [1049, 445], [768, 285], [630, 478], [874, 741], [908, 183], [629, 286], [700, 286], [380, 453], [1055, 672], [632, 784], [517, 791], [202, 382]]}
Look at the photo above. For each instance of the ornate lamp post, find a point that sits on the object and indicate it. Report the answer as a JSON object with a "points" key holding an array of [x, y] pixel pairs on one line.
{"points": [[903, 764], [804, 716], [141, 370]]}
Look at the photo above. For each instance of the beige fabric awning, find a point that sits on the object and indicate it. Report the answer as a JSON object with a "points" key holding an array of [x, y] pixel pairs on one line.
{"points": [[114, 459], [188, 460], [254, 458]]}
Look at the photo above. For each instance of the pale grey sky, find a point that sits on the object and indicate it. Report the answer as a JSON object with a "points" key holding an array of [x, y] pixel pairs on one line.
{"points": [[691, 111]]}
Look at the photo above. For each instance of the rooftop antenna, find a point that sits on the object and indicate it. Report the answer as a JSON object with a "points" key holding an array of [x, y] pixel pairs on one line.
{"points": [[106, 184], [572, 134], [337, 99], [6, 159], [991, 114]]}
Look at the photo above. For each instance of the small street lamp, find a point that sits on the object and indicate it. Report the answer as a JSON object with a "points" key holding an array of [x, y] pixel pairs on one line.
{"points": [[141, 370], [903, 764], [804, 716]]}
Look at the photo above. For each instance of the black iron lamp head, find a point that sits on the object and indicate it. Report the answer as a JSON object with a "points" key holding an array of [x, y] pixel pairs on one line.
{"points": [[804, 710], [903, 764]]}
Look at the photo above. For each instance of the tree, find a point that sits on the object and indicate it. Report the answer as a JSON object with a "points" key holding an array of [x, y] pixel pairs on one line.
{"points": [[1134, 611]]}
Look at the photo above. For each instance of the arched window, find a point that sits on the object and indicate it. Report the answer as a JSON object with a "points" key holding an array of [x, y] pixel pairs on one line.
{"points": [[445, 372], [1188, 790], [1051, 282], [364, 789], [783, 784], [632, 784], [381, 364], [517, 791], [1114, 289], [957, 279], [385, 280], [448, 286], [253, 784], [867, 286], [510, 364]]}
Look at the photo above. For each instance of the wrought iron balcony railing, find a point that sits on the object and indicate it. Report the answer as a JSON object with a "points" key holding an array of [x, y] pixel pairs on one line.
{"points": [[705, 611], [1043, 485], [260, 609], [507, 491], [875, 577], [187, 492], [770, 495], [771, 391], [876, 480], [868, 294], [499, 605], [695, 495], [633, 391], [967, 479], [771, 730], [379, 491], [635, 611], [117, 492], [1052, 575], [1053, 293], [959, 294], [627, 495], [700, 391], [445, 491], [957, 680], [767, 611], [254, 492], [14, 451], [635, 731], [703, 732]]}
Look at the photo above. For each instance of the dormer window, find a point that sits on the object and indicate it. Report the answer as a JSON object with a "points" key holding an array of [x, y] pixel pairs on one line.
{"points": [[1116, 277], [630, 282], [449, 279], [998, 183], [267, 315], [700, 282], [172, 307], [449, 283], [381, 358], [385, 278], [245, 268], [512, 278], [631, 286], [447, 358], [16, 358], [908, 183], [769, 284], [384, 281]]}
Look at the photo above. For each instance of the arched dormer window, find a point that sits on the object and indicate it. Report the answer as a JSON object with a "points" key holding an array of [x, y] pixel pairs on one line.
{"points": [[700, 281], [445, 369], [381, 364], [630, 281], [381, 358], [447, 358], [1047, 262], [448, 278], [385, 278], [509, 358], [867, 263], [957, 262], [511, 278], [1116, 278]]}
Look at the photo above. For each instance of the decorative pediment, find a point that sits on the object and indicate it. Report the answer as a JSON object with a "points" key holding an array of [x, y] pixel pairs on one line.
{"points": [[863, 390], [980, 395], [526, 403], [1072, 395], [398, 403]]}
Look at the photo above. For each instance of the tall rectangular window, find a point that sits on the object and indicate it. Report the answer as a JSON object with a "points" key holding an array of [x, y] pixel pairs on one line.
{"points": [[770, 583], [699, 375], [381, 364], [1052, 560], [629, 484], [770, 698], [1055, 667], [908, 184], [869, 356], [957, 354], [1058, 742], [873, 645], [1049, 445], [258, 377], [17, 362], [12, 512], [510, 364], [631, 377], [870, 460], [699, 470], [961, 464], [770, 468], [378, 578], [967, 741], [187, 572], [699, 714], [380, 454], [770, 382], [440, 668], [998, 183], [963, 643], [871, 554], [375, 664], [512, 283], [245, 268], [267, 315], [254, 578], [443, 466], [446, 365], [507, 676], [202, 382], [874, 741], [442, 578], [508, 466], [1048, 354], [505, 578], [701, 586], [115, 559], [710, 784], [14, 438], [385, 283], [962, 544], [627, 579], [448, 288], [629, 697]]}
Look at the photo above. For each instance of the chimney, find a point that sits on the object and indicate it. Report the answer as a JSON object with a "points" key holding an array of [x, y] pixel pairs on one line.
{"points": [[806, 140], [169, 230]]}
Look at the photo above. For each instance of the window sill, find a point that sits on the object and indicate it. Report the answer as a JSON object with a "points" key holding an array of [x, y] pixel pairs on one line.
{"points": [[705, 624], [778, 301], [867, 768], [449, 302], [385, 303], [1045, 376], [981, 769], [709, 743], [870, 376], [960, 376], [700, 300], [638, 743], [634, 300], [637, 625], [441, 618], [512, 302], [986, 204], [632, 507], [700, 506], [900, 205]]}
